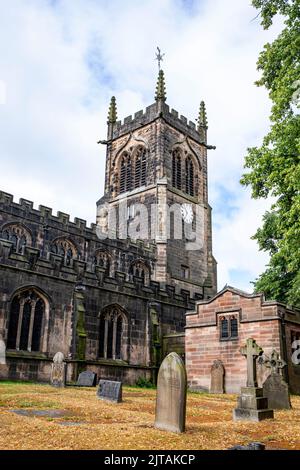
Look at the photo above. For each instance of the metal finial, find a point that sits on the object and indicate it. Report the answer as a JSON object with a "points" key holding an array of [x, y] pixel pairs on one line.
{"points": [[159, 57]]}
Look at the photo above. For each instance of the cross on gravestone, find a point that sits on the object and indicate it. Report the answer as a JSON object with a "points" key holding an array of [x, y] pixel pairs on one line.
{"points": [[274, 362], [251, 351]]}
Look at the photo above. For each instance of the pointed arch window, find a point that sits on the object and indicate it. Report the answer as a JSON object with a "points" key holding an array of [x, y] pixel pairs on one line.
{"points": [[66, 249], [176, 169], [103, 259], [113, 334], [140, 269], [18, 235], [27, 314], [140, 167], [125, 173], [189, 177]]}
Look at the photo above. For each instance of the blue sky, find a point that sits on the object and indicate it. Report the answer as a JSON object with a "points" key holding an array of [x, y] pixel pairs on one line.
{"points": [[61, 61]]}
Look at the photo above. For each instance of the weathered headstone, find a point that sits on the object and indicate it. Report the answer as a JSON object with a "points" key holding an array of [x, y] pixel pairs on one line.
{"points": [[58, 372], [2, 352], [171, 395], [86, 379], [217, 377], [110, 390], [252, 405], [275, 388]]}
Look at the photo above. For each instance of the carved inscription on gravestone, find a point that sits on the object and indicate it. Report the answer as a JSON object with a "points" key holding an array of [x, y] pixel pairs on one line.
{"points": [[110, 390], [171, 395]]}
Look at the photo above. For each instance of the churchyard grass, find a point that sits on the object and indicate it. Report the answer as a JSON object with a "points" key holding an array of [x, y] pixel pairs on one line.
{"points": [[82, 421]]}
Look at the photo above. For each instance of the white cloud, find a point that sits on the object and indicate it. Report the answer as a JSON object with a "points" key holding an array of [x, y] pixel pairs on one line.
{"points": [[62, 63]]}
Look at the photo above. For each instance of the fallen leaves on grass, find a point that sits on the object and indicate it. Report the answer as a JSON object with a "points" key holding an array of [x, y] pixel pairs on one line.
{"points": [[96, 424]]}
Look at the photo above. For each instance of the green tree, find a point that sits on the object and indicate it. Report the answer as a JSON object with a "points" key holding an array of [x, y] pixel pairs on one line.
{"points": [[274, 167]]}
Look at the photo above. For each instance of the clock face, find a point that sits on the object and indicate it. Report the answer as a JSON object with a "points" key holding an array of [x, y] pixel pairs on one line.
{"points": [[187, 213]]}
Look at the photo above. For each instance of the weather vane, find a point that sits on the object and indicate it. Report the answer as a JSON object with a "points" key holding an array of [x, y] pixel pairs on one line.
{"points": [[159, 57]]}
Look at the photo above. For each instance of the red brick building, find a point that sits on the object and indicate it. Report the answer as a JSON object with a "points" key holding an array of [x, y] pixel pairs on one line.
{"points": [[220, 326]]}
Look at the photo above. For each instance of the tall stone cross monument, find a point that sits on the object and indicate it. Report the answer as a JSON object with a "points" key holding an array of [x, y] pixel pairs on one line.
{"points": [[252, 405], [251, 351]]}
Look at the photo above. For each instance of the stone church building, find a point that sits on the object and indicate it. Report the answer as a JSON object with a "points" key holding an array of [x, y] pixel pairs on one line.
{"points": [[111, 303], [117, 296]]}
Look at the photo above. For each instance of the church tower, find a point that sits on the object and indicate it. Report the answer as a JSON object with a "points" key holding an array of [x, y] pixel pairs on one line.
{"points": [[156, 190]]}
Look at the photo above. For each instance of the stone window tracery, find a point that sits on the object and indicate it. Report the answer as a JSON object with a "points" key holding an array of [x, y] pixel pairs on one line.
{"points": [[17, 234], [64, 248], [140, 269], [113, 335], [103, 259], [27, 314]]}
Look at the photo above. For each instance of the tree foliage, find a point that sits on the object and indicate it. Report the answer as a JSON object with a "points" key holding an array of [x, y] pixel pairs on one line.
{"points": [[275, 165]]}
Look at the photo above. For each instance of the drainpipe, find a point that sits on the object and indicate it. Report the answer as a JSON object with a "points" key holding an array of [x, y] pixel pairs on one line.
{"points": [[284, 348]]}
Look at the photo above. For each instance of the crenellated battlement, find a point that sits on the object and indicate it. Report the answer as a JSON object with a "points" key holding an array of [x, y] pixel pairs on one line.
{"points": [[90, 275], [43, 216], [151, 113]]}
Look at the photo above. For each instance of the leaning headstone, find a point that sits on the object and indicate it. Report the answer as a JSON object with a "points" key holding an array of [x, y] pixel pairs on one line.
{"points": [[171, 395], [58, 372], [275, 387], [2, 353], [86, 379], [110, 390], [217, 373], [252, 405]]}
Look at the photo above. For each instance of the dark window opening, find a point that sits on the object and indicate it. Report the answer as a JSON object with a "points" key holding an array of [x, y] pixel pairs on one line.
{"points": [[111, 334], [228, 328], [26, 322]]}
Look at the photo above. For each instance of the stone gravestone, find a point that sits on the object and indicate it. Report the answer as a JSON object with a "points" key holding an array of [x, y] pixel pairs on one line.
{"points": [[171, 395], [217, 377], [58, 372], [275, 387], [110, 390], [86, 379], [2, 353], [252, 405]]}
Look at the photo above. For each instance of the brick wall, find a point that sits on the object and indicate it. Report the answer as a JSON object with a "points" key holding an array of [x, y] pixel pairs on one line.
{"points": [[256, 318]]}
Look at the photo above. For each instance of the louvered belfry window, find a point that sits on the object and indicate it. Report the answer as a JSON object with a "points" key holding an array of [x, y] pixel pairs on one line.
{"points": [[125, 173], [140, 167], [176, 169], [189, 177]]}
